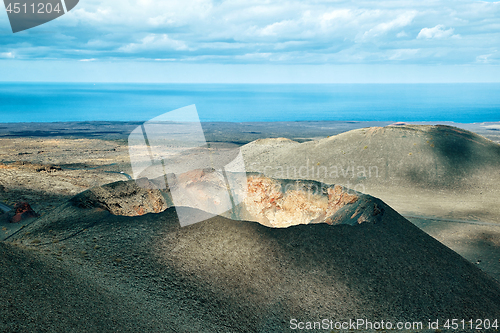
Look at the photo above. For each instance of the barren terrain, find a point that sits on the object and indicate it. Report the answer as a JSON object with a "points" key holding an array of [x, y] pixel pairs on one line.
{"points": [[146, 273]]}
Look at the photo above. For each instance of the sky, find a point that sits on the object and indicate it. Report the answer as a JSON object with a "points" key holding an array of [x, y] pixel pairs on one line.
{"points": [[259, 41]]}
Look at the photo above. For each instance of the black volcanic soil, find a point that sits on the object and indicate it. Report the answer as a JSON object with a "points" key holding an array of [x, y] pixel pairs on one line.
{"points": [[230, 276]]}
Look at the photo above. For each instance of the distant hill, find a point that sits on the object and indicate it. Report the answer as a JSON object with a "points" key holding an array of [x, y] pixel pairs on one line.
{"points": [[436, 166]]}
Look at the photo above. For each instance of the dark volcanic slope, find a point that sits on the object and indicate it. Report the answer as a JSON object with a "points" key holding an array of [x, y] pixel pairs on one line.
{"points": [[40, 295], [238, 276], [414, 155]]}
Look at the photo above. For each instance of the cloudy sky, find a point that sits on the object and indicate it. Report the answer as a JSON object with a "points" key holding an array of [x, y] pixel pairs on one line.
{"points": [[259, 41]]}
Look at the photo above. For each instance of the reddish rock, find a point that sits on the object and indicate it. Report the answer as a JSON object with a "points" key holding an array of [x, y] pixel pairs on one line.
{"points": [[284, 203], [22, 211]]}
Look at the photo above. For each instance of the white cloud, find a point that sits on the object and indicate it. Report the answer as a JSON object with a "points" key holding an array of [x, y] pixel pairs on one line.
{"points": [[154, 42], [382, 28], [99, 15], [437, 32], [335, 16], [403, 54], [7, 55], [484, 58], [278, 28], [161, 20]]}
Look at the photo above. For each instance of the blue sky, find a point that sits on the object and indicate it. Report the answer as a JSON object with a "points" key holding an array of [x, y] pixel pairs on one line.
{"points": [[259, 41]]}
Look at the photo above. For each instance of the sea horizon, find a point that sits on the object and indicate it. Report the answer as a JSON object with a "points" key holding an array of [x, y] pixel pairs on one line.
{"points": [[410, 102]]}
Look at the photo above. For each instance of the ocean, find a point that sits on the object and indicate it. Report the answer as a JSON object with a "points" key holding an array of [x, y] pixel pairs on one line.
{"points": [[53, 102]]}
